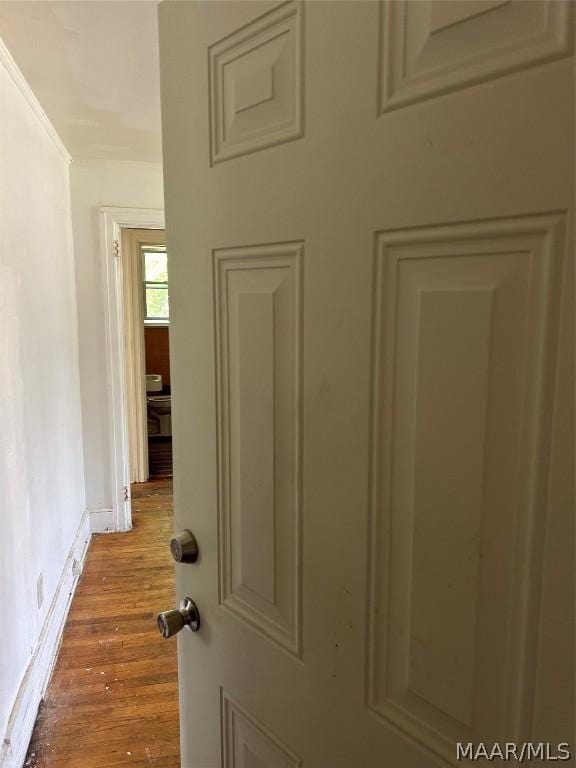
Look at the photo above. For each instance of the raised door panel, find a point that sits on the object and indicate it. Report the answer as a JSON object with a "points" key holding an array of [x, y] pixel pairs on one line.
{"points": [[436, 46], [256, 91], [258, 354], [464, 346], [247, 743]]}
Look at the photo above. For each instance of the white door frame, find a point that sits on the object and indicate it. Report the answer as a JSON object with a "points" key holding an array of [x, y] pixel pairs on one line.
{"points": [[112, 221]]}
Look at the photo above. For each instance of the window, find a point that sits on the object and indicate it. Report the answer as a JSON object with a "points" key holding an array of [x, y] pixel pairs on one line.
{"points": [[155, 270]]}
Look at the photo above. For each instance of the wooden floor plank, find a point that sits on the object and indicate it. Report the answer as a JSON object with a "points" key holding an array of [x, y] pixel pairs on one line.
{"points": [[113, 698]]}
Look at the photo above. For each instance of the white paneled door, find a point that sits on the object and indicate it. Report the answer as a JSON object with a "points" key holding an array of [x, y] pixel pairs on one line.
{"points": [[369, 217]]}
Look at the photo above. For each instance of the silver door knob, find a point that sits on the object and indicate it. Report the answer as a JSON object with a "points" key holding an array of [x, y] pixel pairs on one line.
{"points": [[184, 547], [171, 622]]}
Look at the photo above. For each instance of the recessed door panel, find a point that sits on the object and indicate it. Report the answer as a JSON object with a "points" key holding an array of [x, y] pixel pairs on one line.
{"points": [[255, 84], [436, 46], [466, 323], [258, 350], [247, 743]]}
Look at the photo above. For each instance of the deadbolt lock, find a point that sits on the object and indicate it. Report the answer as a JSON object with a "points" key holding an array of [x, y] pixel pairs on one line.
{"points": [[184, 547], [171, 622]]}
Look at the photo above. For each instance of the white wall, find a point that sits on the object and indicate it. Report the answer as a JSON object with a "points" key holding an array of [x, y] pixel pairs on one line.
{"points": [[94, 184], [42, 523]]}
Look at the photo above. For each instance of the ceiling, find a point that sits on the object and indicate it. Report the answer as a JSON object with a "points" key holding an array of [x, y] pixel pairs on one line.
{"points": [[94, 67]]}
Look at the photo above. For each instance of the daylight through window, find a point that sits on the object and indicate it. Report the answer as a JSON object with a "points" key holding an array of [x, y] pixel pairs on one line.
{"points": [[155, 271]]}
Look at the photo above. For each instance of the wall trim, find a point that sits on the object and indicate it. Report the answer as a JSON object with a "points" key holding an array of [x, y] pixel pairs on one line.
{"points": [[37, 675], [101, 520], [112, 221], [21, 83]]}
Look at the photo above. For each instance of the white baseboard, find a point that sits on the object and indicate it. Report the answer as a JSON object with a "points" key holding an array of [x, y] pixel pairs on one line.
{"points": [[102, 520], [37, 677]]}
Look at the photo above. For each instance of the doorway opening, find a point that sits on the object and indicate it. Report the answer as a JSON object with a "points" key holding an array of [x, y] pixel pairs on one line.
{"points": [[147, 353], [125, 348], [157, 356]]}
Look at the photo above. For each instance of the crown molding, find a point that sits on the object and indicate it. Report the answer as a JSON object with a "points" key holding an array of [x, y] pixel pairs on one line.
{"points": [[21, 84]]}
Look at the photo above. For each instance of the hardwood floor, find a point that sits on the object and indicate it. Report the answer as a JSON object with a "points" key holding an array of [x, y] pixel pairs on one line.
{"points": [[160, 457], [113, 697]]}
